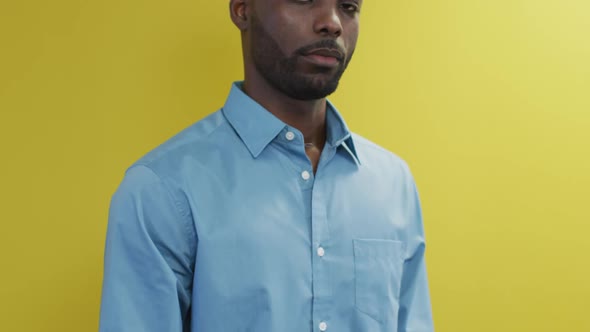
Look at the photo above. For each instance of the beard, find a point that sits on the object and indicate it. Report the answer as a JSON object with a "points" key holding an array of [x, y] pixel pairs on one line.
{"points": [[281, 72]]}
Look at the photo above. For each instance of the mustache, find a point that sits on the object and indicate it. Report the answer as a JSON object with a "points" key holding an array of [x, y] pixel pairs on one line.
{"points": [[326, 43]]}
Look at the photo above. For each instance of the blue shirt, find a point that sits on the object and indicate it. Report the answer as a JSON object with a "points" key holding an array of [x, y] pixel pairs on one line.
{"points": [[226, 228]]}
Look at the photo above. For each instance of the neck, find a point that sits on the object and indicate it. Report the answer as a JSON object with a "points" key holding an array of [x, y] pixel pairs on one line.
{"points": [[308, 116]]}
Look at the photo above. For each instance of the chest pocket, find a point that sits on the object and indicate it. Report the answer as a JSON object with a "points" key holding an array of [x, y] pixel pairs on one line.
{"points": [[378, 267]]}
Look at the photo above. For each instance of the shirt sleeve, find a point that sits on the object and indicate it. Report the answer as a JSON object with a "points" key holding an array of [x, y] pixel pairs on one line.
{"points": [[415, 314], [149, 257]]}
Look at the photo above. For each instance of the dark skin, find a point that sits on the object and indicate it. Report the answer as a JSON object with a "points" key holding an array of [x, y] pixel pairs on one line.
{"points": [[294, 54]]}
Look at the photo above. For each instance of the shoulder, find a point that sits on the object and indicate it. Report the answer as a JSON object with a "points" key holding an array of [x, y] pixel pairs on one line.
{"points": [[192, 143], [157, 178], [375, 156]]}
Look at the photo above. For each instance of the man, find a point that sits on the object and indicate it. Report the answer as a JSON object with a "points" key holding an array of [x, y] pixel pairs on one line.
{"points": [[269, 215]]}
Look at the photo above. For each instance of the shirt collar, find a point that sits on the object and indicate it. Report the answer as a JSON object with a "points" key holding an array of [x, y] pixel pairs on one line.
{"points": [[337, 132], [257, 127]]}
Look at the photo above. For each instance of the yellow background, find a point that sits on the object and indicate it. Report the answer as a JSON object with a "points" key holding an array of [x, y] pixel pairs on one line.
{"points": [[489, 102]]}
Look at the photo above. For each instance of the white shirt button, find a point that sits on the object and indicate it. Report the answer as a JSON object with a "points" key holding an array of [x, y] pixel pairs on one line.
{"points": [[323, 326], [321, 252], [305, 175], [290, 136]]}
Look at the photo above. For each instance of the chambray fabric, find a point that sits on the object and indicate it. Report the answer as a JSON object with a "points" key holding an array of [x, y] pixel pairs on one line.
{"points": [[226, 228]]}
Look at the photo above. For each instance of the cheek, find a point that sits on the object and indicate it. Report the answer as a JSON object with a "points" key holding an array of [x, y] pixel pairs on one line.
{"points": [[282, 34], [291, 31], [351, 38]]}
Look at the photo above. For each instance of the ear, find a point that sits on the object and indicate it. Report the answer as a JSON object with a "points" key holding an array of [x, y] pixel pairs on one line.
{"points": [[239, 13]]}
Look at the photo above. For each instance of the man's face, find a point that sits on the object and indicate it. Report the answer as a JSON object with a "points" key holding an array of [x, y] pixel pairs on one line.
{"points": [[302, 47]]}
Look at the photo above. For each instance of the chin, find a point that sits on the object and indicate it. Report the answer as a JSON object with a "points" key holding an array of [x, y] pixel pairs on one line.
{"points": [[311, 92], [324, 87], [305, 86]]}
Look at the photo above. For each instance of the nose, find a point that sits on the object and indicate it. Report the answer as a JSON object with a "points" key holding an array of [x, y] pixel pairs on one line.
{"points": [[328, 22]]}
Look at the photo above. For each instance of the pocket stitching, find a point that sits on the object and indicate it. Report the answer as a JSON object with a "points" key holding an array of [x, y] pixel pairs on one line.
{"points": [[394, 249]]}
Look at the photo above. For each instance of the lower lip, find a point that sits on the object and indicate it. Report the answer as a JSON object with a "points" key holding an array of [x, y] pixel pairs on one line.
{"points": [[320, 60]]}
